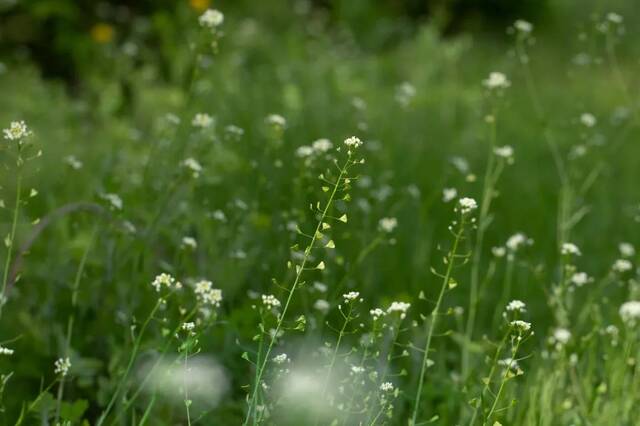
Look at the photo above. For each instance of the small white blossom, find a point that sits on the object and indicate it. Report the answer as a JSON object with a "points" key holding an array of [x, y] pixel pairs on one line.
{"points": [[352, 295], [570, 249], [621, 266], [521, 326], [270, 301], [401, 307], [202, 120], [280, 359], [516, 241], [114, 201], [630, 312], [498, 251], [377, 313], [353, 142], [211, 18], [207, 294], [165, 280], [561, 335], [189, 242], [388, 224], [6, 351], [523, 26], [322, 305], [357, 369], [192, 165], [304, 151], [588, 119], [62, 366], [580, 279], [17, 131], [386, 387], [626, 249], [505, 152], [322, 145], [467, 205], [449, 194], [496, 80], [516, 306], [614, 18], [276, 120], [73, 162], [188, 326]]}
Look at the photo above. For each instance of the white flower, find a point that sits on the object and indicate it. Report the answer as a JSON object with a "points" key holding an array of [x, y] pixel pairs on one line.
{"points": [[561, 335], [570, 249], [276, 120], [211, 18], [523, 26], [498, 251], [188, 326], [622, 265], [202, 120], [280, 359], [355, 369], [270, 301], [353, 142], [73, 162], [192, 165], [377, 313], [352, 295], [588, 119], [17, 131], [626, 249], [505, 152], [516, 306], [386, 387], [207, 294], [516, 240], [322, 145], [62, 366], [322, 305], [401, 307], [467, 205], [449, 194], [165, 280], [614, 17], [630, 312], [580, 279], [388, 224], [496, 80], [189, 242], [405, 93], [520, 325], [6, 351], [304, 151], [114, 200]]}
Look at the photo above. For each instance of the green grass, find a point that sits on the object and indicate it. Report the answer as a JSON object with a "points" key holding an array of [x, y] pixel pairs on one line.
{"points": [[91, 265]]}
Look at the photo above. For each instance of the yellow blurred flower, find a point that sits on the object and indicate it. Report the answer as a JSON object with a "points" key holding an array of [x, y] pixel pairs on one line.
{"points": [[200, 5], [102, 33]]}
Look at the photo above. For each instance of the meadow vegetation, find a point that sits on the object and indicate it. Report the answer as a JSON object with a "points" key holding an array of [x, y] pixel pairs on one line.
{"points": [[279, 226]]}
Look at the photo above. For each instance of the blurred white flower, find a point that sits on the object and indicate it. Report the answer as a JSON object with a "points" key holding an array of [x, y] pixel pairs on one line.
{"points": [[211, 18], [496, 80]]}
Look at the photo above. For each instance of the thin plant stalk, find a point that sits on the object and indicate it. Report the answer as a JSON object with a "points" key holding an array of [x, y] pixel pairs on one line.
{"points": [[434, 316], [11, 240]]}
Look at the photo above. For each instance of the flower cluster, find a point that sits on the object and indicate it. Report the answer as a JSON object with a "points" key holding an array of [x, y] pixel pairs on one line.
{"points": [[211, 19], [621, 266], [351, 296], [353, 142], [17, 131], [202, 120], [5, 351], [192, 165], [62, 366], [467, 205], [270, 301], [388, 224], [516, 306], [165, 280], [505, 152], [570, 249], [496, 80], [377, 313], [401, 307], [630, 312], [207, 294]]}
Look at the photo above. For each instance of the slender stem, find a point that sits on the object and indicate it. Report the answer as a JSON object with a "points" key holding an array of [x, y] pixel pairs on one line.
{"points": [[300, 270], [487, 196], [503, 382], [346, 322], [12, 236], [132, 358], [187, 402], [434, 315], [71, 320], [487, 383]]}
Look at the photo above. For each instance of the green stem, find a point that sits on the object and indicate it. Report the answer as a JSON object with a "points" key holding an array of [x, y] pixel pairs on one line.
{"points": [[434, 315], [12, 236]]}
